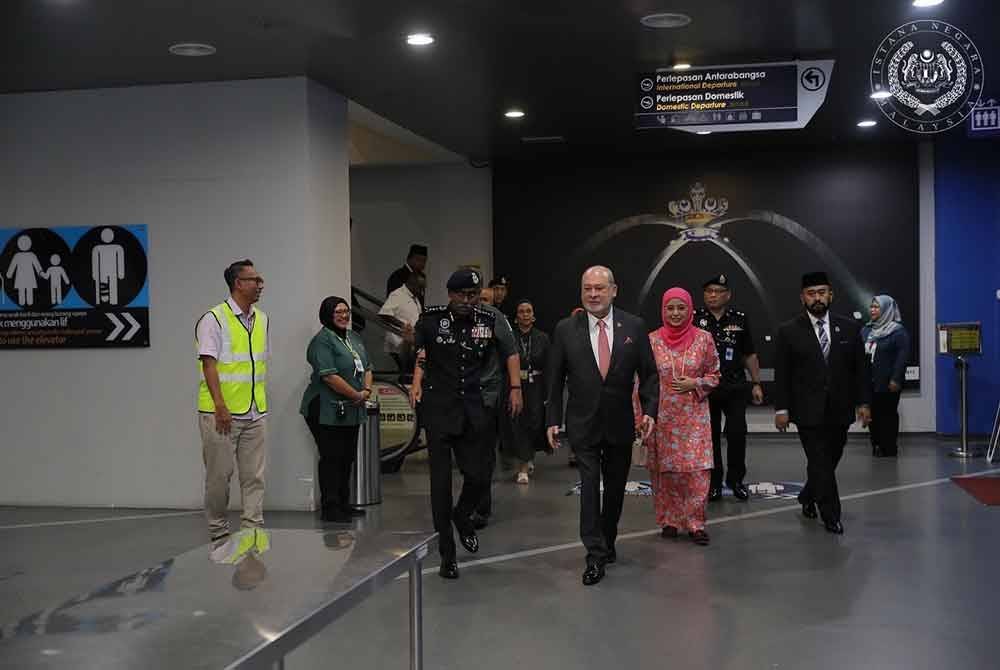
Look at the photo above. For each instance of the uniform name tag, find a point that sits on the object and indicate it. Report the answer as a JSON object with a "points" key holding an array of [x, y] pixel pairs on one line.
{"points": [[482, 332]]}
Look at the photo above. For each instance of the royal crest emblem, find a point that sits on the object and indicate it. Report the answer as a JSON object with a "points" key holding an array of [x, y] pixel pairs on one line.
{"points": [[929, 75]]}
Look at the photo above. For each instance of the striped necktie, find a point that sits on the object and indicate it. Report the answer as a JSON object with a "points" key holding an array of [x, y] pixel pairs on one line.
{"points": [[824, 341]]}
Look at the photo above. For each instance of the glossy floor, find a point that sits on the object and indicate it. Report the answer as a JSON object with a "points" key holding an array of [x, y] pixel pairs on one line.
{"points": [[912, 583]]}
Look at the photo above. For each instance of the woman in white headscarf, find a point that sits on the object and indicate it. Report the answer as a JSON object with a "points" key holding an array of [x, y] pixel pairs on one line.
{"points": [[887, 345]]}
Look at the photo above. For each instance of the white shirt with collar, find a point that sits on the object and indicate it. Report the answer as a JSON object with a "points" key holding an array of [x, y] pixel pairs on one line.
{"points": [[609, 322], [403, 305], [209, 333]]}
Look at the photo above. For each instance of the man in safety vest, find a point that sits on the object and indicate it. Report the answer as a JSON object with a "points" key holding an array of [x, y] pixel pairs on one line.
{"points": [[233, 350]]}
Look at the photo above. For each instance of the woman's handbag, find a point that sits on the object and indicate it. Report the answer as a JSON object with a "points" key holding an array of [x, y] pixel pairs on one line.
{"points": [[640, 453]]}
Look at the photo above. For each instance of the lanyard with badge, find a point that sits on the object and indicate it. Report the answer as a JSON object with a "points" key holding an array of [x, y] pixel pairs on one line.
{"points": [[359, 367], [525, 346]]}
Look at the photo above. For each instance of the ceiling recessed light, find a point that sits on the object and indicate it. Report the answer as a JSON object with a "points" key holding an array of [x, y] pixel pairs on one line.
{"points": [[927, 3], [543, 139], [880, 95], [419, 39], [704, 132], [682, 66], [192, 49], [514, 114], [867, 123], [665, 20]]}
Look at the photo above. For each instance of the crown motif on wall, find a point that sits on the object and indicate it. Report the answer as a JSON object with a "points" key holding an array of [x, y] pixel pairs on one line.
{"points": [[699, 209]]}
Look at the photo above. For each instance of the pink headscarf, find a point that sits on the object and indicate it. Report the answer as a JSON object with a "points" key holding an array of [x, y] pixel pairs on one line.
{"points": [[677, 337]]}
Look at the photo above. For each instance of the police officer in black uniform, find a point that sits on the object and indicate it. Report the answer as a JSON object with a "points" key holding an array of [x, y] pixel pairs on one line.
{"points": [[501, 291], [731, 330], [454, 342]]}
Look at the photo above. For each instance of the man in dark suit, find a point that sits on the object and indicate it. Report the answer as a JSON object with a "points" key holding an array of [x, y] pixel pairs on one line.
{"points": [[597, 354], [416, 261], [820, 384]]}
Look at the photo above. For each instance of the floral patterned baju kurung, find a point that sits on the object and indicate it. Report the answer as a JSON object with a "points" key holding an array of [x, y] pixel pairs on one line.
{"points": [[679, 451]]}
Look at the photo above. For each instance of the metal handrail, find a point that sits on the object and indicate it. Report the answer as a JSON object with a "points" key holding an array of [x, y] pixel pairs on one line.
{"points": [[994, 437]]}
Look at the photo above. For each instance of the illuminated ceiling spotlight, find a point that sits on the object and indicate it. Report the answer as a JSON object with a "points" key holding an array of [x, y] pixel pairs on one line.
{"points": [[420, 39]]}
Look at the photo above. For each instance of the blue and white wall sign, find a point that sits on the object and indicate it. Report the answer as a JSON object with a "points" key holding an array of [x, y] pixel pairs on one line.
{"points": [[74, 287]]}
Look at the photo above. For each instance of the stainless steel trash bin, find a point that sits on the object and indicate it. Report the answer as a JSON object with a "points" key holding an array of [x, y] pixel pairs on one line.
{"points": [[366, 480]]}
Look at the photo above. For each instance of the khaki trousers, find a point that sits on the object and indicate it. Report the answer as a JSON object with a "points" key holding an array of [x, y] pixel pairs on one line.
{"points": [[246, 441]]}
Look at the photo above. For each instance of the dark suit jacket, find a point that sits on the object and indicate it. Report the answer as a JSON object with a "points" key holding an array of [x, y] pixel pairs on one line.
{"points": [[889, 362], [817, 392], [600, 409]]}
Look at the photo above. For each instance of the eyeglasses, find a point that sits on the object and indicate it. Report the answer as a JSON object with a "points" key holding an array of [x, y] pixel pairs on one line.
{"points": [[342, 312], [257, 280], [716, 291]]}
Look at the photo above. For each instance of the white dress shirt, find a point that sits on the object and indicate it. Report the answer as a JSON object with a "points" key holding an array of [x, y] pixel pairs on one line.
{"points": [[405, 306], [609, 322]]}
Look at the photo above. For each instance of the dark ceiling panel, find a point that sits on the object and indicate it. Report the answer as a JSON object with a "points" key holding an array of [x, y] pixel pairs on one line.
{"points": [[570, 65]]}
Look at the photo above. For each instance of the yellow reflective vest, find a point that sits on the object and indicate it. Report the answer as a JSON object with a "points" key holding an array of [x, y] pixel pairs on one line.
{"points": [[242, 363]]}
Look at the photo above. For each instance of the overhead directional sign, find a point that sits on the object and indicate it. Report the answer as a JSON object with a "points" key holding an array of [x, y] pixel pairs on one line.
{"points": [[74, 287], [730, 98]]}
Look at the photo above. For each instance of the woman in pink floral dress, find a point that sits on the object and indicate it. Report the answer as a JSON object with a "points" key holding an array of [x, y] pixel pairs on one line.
{"points": [[680, 448]]}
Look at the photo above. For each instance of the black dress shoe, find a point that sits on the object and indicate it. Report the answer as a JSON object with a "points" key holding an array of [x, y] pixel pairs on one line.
{"points": [[809, 510], [715, 493], [612, 557], [479, 521], [669, 532], [470, 542], [355, 511], [700, 537], [448, 570], [593, 574], [740, 492], [834, 527], [336, 516]]}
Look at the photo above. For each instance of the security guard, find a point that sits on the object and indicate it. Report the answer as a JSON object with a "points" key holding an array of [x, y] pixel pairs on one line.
{"points": [[734, 341], [454, 343], [501, 289]]}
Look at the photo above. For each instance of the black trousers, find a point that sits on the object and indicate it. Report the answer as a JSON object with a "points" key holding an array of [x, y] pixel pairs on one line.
{"points": [[884, 428], [732, 403], [338, 446], [599, 518], [473, 444], [824, 447], [484, 507]]}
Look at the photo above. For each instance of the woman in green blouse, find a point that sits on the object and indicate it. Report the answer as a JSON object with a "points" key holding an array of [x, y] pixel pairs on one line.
{"points": [[334, 404]]}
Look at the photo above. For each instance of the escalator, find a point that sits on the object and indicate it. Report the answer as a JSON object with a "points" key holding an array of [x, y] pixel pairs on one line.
{"points": [[399, 425]]}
